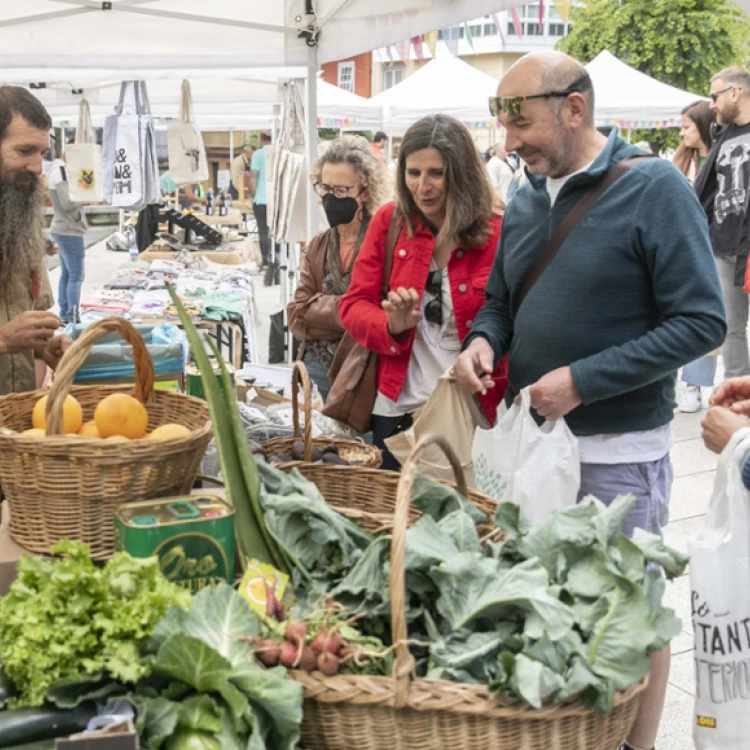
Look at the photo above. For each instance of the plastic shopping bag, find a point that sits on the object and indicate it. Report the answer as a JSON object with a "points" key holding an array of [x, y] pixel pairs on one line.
{"points": [[187, 154], [536, 467], [720, 598], [84, 164]]}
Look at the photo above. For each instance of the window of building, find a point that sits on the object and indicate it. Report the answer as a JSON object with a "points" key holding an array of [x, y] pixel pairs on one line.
{"points": [[530, 26], [557, 29], [391, 78], [490, 29], [346, 76], [476, 30]]}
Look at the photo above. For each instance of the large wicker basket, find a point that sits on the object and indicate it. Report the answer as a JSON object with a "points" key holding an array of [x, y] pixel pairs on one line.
{"points": [[404, 712], [353, 451], [69, 486]]}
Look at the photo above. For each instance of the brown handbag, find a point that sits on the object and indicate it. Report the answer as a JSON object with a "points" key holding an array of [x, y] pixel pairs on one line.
{"points": [[354, 371]]}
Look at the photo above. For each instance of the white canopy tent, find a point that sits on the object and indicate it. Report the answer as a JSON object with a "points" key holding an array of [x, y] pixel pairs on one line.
{"points": [[631, 99], [446, 84]]}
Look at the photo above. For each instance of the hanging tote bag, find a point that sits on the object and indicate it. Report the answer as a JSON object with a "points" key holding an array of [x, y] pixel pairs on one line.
{"points": [[536, 467], [150, 158], [720, 599], [84, 166], [187, 154]]}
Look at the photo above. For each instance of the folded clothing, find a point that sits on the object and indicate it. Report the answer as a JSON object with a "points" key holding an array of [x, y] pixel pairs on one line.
{"points": [[222, 306]]}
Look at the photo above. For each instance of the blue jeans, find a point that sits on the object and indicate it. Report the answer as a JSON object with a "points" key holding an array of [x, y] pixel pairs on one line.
{"points": [[701, 372], [72, 250], [318, 373]]}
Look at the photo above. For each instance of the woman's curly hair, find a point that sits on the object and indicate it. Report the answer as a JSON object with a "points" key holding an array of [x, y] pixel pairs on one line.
{"points": [[355, 150]]}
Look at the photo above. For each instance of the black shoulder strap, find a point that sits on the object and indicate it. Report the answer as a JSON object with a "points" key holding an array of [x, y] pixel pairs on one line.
{"points": [[576, 213]]}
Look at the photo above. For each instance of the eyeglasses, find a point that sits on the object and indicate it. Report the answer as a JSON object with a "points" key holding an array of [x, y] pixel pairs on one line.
{"points": [[511, 105], [433, 310], [340, 191], [716, 94]]}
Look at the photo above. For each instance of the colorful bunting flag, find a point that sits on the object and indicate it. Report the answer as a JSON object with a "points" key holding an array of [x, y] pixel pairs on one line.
{"points": [[431, 40], [516, 22], [417, 44], [450, 37], [563, 8], [389, 52], [469, 37], [404, 49], [541, 16], [499, 28]]}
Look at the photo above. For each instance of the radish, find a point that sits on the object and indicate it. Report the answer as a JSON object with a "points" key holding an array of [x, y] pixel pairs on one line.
{"points": [[288, 654], [328, 664], [308, 661], [268, 653], [326, 641], [279, 611], [296, 631]]}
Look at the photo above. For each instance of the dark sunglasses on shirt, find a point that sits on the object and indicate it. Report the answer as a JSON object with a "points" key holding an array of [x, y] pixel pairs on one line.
{"points": [[433, 310]]}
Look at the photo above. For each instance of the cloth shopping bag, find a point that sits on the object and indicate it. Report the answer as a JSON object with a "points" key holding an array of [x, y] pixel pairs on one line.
{"points": [[129, 158], [84, 165], [536, 467], [720, 605], [452, 413], [187, 153]]}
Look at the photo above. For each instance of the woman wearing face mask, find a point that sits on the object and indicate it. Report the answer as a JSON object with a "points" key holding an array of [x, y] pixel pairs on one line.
{"points": [[443, 255], [352, 184], [691, 155]]}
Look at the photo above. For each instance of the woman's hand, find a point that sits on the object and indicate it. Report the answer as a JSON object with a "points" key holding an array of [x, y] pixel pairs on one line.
{"points": [[719, 425], [403, 310], [733, 394]]}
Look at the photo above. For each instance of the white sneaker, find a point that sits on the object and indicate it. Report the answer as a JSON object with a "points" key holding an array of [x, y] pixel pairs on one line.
{"points": [[690, 401]]}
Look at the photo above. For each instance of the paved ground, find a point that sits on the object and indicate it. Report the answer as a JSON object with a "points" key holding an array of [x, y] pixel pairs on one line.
{"points": [[694, 474]]}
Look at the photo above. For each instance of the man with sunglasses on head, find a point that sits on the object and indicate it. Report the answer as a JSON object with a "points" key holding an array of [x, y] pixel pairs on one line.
{"points": [[629, 295], [723, 188]]}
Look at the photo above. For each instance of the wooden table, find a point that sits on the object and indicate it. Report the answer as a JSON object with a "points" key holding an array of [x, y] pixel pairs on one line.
{"points": [[232, 254]]}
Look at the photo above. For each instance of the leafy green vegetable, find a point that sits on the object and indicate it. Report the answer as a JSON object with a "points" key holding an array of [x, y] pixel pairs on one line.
{"points": [[67, 620]]}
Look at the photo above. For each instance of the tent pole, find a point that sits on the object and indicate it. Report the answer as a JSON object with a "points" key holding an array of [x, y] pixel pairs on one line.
{"points": [[311, 110], [231, 146]]}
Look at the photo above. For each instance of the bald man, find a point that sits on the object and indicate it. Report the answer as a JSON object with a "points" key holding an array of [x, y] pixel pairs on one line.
{"points": [[631, 295]]}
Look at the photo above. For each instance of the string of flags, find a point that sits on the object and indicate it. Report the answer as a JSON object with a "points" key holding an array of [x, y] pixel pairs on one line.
{"points": [[335, 122], [671, 122]]}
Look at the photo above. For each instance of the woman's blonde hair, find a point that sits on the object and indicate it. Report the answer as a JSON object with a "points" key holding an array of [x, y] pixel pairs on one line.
{"points": [[468, 194], [355, 150]]}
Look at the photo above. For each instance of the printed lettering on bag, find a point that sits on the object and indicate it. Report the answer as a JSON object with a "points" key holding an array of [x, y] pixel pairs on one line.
{"points": [[86, 179], [123, 174]]}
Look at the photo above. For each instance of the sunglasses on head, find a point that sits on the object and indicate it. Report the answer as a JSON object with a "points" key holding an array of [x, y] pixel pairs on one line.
{"points": [[433, 310], [511, 105]]}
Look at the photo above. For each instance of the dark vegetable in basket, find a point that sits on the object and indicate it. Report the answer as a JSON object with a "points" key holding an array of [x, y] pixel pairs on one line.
{"points": [[335, 460], [316, 455], [331, 448], [25, 725], [298, 450]]}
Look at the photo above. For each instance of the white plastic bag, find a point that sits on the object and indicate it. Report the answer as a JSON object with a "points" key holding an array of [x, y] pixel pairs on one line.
{"points": [[84, 165], [537, 468], [720, 599], [187, 154]]}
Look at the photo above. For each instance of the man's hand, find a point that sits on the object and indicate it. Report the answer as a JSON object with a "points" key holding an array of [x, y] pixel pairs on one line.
{"points": [[733, 394], [473, 368], [29, 330], [555, 394], [56, 347], [719, 425], [403, 310]]}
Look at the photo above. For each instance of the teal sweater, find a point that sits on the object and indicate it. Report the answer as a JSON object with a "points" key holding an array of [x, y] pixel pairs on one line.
{"points": [[631, 295]]}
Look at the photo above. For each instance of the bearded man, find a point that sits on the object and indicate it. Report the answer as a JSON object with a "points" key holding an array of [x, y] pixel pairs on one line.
{"points": [[27, 329]]}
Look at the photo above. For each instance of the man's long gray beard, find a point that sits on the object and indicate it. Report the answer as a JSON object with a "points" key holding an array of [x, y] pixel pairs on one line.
{"points": [[21, 236]]}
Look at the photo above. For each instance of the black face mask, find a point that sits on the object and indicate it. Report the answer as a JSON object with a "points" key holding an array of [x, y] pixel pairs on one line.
{"points": [[339, 210]]}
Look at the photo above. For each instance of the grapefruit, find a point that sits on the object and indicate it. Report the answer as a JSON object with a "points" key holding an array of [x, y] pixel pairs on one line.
{"points": [[117, 438], [120, 414], [72, 415], [34, 432], [89, 430], [170, 430]]}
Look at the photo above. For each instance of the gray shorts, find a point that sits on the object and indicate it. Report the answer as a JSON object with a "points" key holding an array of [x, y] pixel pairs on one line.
{"points": [[650, 482]]}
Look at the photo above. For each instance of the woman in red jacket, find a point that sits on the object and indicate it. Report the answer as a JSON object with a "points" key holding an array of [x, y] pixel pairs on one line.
{"points": [[442, 258]]}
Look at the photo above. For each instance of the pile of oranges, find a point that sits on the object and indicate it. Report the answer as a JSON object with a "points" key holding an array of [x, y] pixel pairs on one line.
{"points": [[116, 417]]}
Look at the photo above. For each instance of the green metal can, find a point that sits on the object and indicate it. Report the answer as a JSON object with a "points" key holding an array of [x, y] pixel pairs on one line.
{"points": [[194, 382], [193, 537]]}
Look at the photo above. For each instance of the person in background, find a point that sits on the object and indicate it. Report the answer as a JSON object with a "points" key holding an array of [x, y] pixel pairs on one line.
{"points": [[379, 142], [67, 230], [722, 190], [188, 196], [627, 300], [27, 329], [260, 207], [500, 172], [691, 155], [352, 184], [240, 165], [443, 254]]}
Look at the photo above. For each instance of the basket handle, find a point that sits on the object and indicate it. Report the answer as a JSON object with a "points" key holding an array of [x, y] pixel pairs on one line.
{"points": [[299, 373], [404, 665], [76, 356]]}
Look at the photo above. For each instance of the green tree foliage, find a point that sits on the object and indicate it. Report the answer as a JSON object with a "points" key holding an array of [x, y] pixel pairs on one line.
{"points": [[680, 42]]}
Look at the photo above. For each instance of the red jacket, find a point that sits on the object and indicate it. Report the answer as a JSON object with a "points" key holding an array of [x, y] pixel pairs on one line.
{"points": [[367, 322]]}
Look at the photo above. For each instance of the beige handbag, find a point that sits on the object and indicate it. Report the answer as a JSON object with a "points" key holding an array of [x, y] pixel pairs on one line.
{"points": [[452, 413]]}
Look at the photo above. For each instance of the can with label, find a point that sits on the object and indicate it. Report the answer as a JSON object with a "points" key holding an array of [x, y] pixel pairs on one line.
{"points": [[194, 382], [193, 537]]}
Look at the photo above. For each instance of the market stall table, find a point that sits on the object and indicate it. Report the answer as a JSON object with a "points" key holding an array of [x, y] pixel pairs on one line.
{"points": [[235, 253]]}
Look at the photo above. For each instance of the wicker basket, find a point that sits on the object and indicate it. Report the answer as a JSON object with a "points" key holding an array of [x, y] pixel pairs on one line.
{"points": [[350, 450], [403, 712], [69, 486]]}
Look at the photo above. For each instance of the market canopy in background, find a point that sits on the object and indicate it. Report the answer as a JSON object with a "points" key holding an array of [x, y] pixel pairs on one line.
{"points": [[631, 99], [446, 84]]}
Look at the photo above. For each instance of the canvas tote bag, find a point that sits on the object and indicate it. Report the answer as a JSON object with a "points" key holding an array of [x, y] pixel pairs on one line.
{"points": [[84, 165], [187, 153]]}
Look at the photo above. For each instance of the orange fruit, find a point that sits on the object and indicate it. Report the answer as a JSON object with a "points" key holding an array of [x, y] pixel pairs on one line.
{"points": [[117, 438], [120, 414], [170, 430], [89, 430], [72, 415], [34, 432]]}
